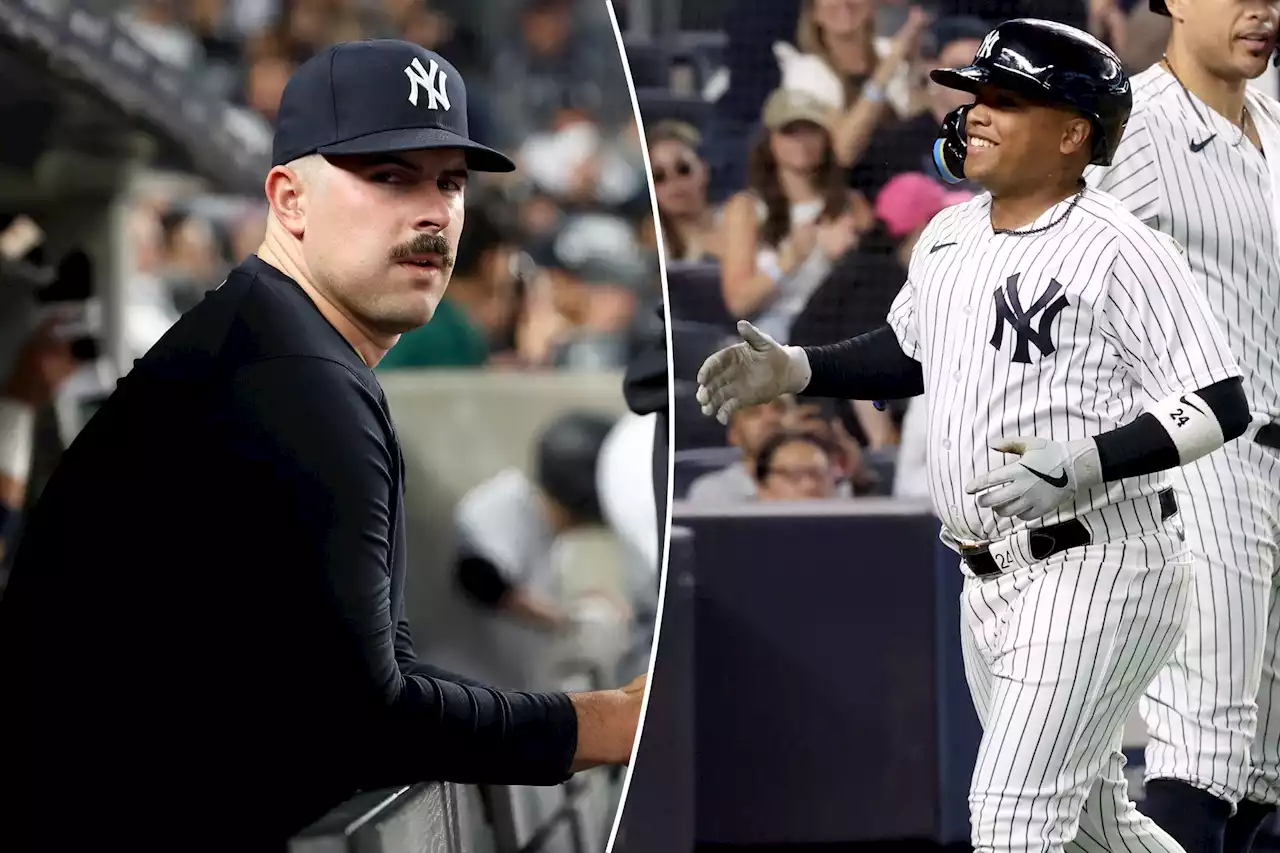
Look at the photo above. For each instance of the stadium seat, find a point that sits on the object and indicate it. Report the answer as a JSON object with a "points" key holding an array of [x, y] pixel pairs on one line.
{"points": [[650, 64], [691, 464], [696, 429], [691, 343], [659, 104], [694, 294]]}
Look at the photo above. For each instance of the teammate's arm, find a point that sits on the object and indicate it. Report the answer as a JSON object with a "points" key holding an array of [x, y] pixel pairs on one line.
{"points": [[441, 729]]}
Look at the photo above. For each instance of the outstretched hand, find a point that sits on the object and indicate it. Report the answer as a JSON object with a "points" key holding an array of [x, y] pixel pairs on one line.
{"points": [[757, 370]]}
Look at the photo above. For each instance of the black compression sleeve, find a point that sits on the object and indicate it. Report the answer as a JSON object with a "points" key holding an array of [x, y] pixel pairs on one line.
{"points": [[1145, 447], [1141, 447], [868, 367]]}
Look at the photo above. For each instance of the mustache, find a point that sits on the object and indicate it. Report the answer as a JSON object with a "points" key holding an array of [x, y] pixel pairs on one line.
{"points": [[435, 244]]}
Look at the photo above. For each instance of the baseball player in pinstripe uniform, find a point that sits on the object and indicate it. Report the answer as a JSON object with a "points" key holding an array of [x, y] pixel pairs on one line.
{"points": [[1192, 165], [1068, 361]]}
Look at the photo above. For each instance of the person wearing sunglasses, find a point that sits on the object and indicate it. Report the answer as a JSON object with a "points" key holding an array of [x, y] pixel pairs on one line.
{"points": [[689, 225]]}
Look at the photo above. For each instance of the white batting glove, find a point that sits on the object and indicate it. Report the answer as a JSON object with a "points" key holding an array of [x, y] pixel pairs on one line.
{"points": [[1049, 474], [758, 370]]}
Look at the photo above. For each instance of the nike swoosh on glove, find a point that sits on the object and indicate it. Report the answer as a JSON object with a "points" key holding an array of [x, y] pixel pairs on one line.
{"points": [[1048, 474], [758, 370]]}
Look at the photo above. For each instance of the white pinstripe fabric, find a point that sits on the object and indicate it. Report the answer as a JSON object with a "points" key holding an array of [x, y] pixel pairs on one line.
{"points": [[1056, 655], [1134, 330], [1219, 200]]}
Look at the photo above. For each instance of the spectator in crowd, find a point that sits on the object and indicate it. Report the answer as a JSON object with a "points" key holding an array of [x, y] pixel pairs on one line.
{"points": [[827, 421], [842, 32], [908, 145], [511, 604], [690, 230], [551, 63], [594, 273], [752, 74], [795, 466], [749, 430], [782, 234], [44, 363]]}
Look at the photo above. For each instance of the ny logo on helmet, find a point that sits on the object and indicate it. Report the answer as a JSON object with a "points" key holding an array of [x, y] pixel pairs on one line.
{"points": [[433, 82], [1009, 312]]}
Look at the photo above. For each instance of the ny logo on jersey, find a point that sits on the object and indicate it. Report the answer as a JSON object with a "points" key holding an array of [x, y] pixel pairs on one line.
{"points": [[433, 82], [1009, 311]]}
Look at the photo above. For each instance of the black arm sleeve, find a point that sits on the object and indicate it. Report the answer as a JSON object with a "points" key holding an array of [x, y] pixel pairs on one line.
{"points": [[1145, 447], [868, 367], [331, 455], [481, 581]]}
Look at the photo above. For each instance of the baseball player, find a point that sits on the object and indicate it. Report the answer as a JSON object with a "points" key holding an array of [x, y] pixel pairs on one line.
{"points": [[1192, 165], [210, 593], [1068, 361]]}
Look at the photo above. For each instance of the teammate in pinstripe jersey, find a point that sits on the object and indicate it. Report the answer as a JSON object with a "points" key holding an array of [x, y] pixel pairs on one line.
{"points": [[1067, 361], [1200, 161]]}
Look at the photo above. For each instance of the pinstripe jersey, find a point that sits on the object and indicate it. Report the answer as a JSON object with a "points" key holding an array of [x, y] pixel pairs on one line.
{"points": [[1187, 171], [1063, 330]]}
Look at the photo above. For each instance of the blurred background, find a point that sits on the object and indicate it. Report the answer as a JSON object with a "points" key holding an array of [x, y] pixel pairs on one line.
{"points": [[808, 667], [136, 138]]}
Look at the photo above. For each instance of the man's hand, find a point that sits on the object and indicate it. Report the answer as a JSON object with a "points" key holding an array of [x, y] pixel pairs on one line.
{"points": [[607, 724], [1049, 474], [756, 371]]}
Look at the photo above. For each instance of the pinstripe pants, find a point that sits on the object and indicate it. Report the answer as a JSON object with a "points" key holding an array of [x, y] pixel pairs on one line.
{"points": [[1057, 655], [1222, 685]]}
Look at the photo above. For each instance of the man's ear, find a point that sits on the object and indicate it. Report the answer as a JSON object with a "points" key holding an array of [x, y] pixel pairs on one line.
{"points": [[1077, 136], [286, 193]]}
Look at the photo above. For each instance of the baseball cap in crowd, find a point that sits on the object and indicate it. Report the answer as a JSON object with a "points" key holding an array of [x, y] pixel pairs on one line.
{"points": [[908, 201], [376, 97], [785, 106]]}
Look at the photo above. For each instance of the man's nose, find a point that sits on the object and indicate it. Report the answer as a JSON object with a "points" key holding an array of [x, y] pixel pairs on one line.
{"points": [[433, 210]]}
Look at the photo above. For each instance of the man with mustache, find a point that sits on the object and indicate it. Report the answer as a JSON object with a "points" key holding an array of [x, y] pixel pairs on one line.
{"points": [[209, 595]]}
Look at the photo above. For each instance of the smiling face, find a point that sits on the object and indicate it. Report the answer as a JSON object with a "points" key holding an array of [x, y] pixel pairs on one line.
{"points": [[1230, 39], [379, 233], [1014, 144]]}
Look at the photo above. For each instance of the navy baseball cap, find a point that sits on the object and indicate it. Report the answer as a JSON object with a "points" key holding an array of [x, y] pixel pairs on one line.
{"points": [[376, 97]]}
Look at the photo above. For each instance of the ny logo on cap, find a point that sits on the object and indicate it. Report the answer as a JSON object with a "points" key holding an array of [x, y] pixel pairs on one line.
{"points": [[433, 81]]}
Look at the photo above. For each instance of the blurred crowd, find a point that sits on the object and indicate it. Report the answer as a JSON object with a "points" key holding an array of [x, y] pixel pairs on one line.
{"points": [[793, 178], [558, 263]]}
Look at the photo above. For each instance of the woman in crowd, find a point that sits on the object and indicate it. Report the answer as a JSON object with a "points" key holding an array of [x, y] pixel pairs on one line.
{"points": [[875, 72], [782, 234], [688, 220]]}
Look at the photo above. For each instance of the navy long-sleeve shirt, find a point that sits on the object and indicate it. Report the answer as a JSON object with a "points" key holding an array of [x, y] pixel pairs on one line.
{"points": [[205, 615]]}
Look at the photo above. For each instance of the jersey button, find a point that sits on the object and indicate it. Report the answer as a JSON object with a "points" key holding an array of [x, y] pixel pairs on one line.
{"points": [[946, 444], [956, 376], [968, 309]]}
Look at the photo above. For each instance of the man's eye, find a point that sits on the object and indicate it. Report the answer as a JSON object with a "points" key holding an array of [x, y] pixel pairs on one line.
{"points": [[452, 185], [387, 177]]}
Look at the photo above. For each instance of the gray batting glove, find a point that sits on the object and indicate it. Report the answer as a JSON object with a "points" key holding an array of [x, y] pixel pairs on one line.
{"points": [[758, 370], [1049, 474]]}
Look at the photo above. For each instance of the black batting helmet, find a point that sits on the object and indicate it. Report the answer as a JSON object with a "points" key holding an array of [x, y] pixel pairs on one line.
{"points": [[1046, 62], [565, 461]]}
